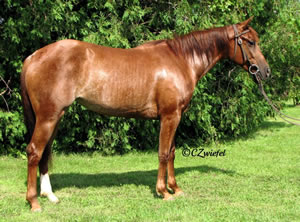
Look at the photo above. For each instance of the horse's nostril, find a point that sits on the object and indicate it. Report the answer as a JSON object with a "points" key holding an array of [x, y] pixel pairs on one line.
{"points": [[268, 71]]}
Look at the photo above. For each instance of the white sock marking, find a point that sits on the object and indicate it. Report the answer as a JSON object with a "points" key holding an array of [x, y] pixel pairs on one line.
{"points": [[46, 189]]}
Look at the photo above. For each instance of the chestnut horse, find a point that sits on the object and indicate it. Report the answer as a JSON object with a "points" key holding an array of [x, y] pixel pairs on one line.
{"points": [[154, 81]]}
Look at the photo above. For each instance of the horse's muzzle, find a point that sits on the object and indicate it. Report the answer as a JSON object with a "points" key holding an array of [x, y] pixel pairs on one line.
{"points": [[268, 71], [265, 73], [261, 72]]}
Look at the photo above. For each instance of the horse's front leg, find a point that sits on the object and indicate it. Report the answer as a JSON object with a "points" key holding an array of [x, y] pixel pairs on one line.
{"points": [[171, 173], [168, 126]]}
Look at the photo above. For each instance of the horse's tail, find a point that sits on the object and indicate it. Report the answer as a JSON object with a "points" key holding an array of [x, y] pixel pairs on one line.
{"points": [[29, 116]]}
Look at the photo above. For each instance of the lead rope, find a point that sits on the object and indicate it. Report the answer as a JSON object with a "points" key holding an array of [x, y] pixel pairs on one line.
{"points": [[281, 115]]}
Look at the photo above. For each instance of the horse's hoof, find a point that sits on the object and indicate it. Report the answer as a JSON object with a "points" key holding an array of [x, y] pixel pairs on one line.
{"points": [[169, 198], [159, 194], [50, 196], [179, 193], [36, 209], [53, 198]]}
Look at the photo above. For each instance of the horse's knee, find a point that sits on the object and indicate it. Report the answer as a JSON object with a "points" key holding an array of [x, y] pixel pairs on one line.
{"points": [[33, 155], [163, 158]]}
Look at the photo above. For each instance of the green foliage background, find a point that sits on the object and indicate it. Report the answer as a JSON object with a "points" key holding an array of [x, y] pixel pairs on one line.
{"points": [[226, 102]]}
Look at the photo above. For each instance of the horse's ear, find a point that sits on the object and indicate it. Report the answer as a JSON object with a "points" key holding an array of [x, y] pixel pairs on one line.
{"points": [[243, 25]]}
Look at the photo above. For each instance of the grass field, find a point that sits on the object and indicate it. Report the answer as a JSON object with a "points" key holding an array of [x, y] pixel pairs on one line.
{"points": [[258, 179]]}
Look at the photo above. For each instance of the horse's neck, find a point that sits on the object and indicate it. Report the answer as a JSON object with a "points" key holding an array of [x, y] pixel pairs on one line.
{"points": [[200, 65], [202, 61], [206, 66]]}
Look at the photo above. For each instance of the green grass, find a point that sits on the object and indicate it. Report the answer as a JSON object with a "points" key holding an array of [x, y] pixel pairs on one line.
{"points": [[257, 180]]}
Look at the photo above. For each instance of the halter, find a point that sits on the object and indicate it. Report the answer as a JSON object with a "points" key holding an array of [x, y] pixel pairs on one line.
{"points": [[238, 41]]}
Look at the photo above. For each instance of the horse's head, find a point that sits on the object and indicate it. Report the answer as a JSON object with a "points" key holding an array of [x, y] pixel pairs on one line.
{"points": [[244, 50]]}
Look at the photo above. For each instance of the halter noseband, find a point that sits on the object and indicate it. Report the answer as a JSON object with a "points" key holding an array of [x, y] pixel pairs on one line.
{"points": [[238, 41]]}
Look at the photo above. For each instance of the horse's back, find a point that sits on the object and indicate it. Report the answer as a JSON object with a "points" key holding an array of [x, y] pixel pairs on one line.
{"points": [[121, 82]]}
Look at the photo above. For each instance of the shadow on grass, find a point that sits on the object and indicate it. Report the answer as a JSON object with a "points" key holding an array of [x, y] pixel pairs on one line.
{"points": [[145, 178], [271, 124], [268, 126]]}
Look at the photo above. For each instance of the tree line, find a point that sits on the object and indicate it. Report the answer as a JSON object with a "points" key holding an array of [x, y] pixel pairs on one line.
{"points": [[225, 104]]}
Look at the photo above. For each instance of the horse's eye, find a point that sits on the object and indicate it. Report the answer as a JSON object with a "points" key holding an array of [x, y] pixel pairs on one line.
{"points": [[251, 43]]}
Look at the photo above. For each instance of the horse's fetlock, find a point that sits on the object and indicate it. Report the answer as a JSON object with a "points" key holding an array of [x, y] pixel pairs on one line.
{"points": [[31, 197], [172, 183], [160, 188]]}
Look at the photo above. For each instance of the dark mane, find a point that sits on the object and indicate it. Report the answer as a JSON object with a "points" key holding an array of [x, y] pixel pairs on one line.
{"points": [[200, 42]]}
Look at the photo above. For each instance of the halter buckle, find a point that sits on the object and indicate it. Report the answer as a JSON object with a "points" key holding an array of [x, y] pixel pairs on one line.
{"points": [[240, 41]]}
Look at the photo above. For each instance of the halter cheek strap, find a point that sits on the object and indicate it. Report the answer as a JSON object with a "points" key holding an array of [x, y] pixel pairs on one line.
{"points": [[253, 68], [238, 40]]}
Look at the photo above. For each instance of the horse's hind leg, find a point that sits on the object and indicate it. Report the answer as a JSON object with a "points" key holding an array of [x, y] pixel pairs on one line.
{"points": [[43, 132], [46, 189]]}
